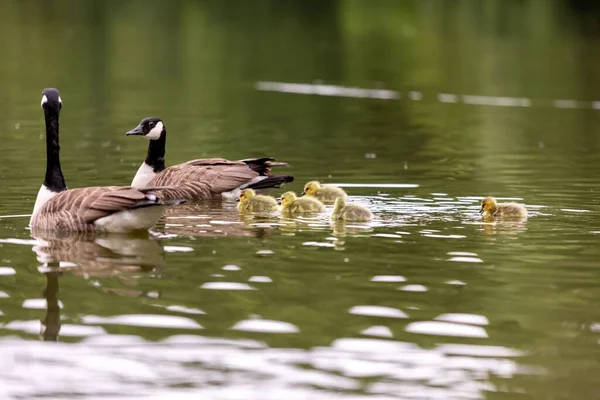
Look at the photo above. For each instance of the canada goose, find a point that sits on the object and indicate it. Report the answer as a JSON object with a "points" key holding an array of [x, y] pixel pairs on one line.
{"points": [[491, 209], [294, 205], [203, 178], [350, 212], [251, 202], [109, 208], [326, 194]]}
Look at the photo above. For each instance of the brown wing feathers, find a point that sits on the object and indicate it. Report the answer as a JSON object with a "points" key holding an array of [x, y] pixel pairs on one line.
{"points": [[204, 178], [112, 201]]}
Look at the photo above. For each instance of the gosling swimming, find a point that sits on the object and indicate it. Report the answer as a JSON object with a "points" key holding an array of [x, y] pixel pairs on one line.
{"points": [[326, 194], [491, 209], [290, 204], [350, 212], [249, 201]]}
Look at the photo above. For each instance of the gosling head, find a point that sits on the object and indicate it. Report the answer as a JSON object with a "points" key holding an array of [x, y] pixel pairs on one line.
{"points": [[51, 100], [311, 188], [246, 195], [340, 203], [488, 206], [151, 128], [288, 198]]}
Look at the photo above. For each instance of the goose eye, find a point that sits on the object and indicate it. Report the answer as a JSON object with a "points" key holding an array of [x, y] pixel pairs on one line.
{"points": [[150, 124]]}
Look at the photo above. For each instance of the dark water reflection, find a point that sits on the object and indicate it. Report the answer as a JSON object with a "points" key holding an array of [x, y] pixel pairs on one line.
{"points": [[426, 301]]}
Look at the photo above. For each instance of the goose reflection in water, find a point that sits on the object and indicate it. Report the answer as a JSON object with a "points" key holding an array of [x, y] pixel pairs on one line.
{"points": [[91, 255], [505, 227], [212, 219]]}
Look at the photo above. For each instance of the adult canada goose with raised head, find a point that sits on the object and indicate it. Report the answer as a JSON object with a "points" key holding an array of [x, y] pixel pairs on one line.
{"points": [[103, 208], [200, 179]]}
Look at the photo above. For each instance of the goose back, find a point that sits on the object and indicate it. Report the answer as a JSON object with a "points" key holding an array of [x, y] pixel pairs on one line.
{"points": [[202, 179]]}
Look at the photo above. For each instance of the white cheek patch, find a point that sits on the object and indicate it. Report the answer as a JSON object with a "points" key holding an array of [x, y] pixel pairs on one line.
{"points": [[59, 100], [155, 132], [44, 100]]}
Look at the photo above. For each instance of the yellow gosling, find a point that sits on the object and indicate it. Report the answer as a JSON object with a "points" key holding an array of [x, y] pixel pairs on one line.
{"points": [[326, 194], [491, 209], [350, 212], [249, 201], [293, 205]]}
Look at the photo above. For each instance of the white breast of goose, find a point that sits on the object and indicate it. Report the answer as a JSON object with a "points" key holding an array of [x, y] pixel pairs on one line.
{"points": [[43, 196], [143, 175]]}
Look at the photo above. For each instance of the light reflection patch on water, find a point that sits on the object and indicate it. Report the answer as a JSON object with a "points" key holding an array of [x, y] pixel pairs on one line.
{"points": [[475, 350], [38, 304], [378, 311], [378, 330], [472, 319], [34, 327], [456, 283], [144, 320], [178, 249], [466, 259], [3, 295], [413, 288], [5, 271], [446, 329], [431, 235], [462, 253], [185, 310], [388, 278], [377, 185], [226, 286], [318, 244], [192, 366], [260, 278], [26, 242], [265, 326]]}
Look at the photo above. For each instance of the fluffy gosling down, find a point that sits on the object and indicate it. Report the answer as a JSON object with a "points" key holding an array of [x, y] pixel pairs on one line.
{"points": [[326, 194], [293, 205], [491, 209], [249, 201], [350, 212]]}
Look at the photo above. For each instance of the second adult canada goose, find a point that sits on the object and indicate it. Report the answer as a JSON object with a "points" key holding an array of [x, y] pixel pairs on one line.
{"points": [[203, 178], [104, 208]]}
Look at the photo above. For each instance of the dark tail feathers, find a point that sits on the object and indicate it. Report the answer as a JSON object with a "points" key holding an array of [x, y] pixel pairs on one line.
{"points": [[271, 182], [263, 165]]}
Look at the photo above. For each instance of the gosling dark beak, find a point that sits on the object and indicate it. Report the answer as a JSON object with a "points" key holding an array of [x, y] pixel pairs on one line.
{"points": [[237, 200], [302, 194], [481, 211], [135, 131], [279, 201]]}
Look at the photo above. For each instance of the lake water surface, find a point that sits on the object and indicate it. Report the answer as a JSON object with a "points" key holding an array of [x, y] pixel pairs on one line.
{"points": [[425, 302]]}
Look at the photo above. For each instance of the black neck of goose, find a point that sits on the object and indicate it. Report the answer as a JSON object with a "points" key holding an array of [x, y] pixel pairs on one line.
{"points": [[156, 152], [54, 180]]}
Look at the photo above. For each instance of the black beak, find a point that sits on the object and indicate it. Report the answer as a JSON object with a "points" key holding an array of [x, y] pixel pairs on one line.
{"points": [[135, 131], [302, 194], [481, 211], [237, 200], [279, 201]]}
